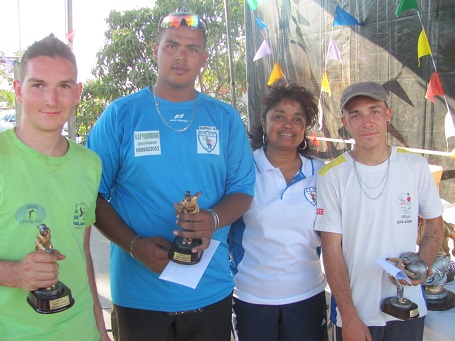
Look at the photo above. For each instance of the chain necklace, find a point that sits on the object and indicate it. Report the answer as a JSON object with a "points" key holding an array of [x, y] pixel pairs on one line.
{"points": [[157, 106], [384, 180]]}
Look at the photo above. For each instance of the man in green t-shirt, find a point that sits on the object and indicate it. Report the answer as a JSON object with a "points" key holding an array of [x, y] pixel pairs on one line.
{"points": [[47, 179]]}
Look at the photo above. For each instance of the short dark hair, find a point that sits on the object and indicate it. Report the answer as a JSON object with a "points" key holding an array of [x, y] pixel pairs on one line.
{"points": [[277, 93], [50, 46]]}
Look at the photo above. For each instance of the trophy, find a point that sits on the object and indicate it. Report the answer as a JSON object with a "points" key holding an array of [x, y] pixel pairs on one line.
{"points": [[399, 306], [57, 297], [180, 251], [438, 297]]}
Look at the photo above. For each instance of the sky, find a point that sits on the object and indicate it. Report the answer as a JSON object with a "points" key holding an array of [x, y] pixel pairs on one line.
{"points": [[23, 22]]}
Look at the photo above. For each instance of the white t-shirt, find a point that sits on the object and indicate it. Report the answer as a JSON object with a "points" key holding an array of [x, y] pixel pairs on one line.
{"points": [[380, 228], [275, 257]]}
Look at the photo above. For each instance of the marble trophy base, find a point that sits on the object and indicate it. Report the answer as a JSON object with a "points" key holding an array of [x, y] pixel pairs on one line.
{"points": [[180, 251], [403, 309], [50, 301], [442, 300]]}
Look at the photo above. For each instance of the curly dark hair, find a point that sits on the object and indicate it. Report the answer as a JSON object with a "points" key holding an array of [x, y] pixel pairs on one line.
{"points": [[277, 93]]}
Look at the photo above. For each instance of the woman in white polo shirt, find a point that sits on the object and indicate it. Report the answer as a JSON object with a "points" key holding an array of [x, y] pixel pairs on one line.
{"points": [[279, 293]]}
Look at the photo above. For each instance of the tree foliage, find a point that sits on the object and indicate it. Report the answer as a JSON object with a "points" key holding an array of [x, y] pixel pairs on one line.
{"points": [[6, 82], [125, 63]]}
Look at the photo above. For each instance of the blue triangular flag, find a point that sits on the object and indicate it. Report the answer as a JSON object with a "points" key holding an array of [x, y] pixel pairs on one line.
{"points": [[343, 18], [261, 24]]}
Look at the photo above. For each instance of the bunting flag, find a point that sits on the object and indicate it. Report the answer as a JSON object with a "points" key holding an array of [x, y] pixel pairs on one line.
{"points": [[325, 84], [9, 64], [434, 87], [343, 18], [276, 74], [314, 140], [333, 53], [321, 114], [423, 47], [70, 35], [452, 154], [449, 128], [404, 5], [264, 50], [261, 24], [253, 4]]}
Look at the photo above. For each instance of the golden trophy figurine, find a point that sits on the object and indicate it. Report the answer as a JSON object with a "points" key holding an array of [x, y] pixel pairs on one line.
{"points": [[53, 299], [180, 251]]}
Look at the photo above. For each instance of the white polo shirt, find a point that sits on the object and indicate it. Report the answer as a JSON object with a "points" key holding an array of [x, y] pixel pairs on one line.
{"points": [[274, 252]]}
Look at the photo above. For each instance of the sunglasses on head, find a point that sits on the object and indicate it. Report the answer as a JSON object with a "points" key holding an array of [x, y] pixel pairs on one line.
{"points": [[177, 19]]}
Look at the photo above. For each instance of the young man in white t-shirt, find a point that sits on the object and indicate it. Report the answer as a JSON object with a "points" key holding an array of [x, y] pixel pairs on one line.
{"points": [[369, 202]]}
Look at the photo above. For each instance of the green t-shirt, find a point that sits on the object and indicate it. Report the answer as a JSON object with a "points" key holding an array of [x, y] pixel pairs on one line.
{"points": [[60, 192]]}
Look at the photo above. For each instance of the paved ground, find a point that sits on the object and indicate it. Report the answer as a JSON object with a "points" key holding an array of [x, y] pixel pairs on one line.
{"points": [[99, 247]]}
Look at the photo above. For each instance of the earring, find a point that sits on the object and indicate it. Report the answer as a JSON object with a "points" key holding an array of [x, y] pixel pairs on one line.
{"points": [[304, 145], [264, 139]]}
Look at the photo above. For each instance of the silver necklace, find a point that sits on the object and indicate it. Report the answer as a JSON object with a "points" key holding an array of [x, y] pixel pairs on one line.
{"points": [[384, 178], [157, 106]]}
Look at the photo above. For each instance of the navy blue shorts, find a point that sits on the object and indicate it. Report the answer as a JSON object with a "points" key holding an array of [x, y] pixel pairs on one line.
{"points": [[410, 330], [304, 320]]}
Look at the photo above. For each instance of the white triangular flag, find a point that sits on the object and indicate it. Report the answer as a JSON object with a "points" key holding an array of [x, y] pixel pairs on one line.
{"points": [[264, 50], [449, 127]]}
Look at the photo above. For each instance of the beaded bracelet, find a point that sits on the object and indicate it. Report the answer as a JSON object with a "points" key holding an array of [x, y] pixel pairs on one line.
{"points": [[216, 219], [131, 245]]}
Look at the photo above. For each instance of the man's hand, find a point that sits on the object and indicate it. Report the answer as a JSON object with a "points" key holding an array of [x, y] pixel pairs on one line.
{"points": [[36, 270], [152, 252], [355, 330], [198, 225]]}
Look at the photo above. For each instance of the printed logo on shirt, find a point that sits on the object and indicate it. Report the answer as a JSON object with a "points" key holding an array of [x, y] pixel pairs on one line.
{"points": [[31, 215], [147, 143], [79, 215], [320, 211], [404, 203], [178, 118], [310, 195], [207, 141]]}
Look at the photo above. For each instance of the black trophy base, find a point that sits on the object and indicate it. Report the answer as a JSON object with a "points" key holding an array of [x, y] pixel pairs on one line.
{"points": [[50, 301], [445, 303], [407, 311], [180, 251]]}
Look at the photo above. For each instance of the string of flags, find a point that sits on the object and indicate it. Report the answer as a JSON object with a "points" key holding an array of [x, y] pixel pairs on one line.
{"points": [[434, 85], [343, 18]]}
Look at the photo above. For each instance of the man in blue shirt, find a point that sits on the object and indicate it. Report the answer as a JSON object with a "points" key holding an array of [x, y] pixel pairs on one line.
{"points": [[154, 147]]}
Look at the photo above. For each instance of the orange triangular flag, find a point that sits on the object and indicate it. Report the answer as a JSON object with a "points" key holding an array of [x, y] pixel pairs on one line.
{"points": [[434, 87], [276, 74], [314, 140], [423, 47], [325, 84]]}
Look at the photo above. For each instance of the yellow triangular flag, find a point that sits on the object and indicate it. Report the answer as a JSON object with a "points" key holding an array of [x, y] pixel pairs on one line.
{"points": [[423, 47], [452, 155], [325, 84], [276, 74]]}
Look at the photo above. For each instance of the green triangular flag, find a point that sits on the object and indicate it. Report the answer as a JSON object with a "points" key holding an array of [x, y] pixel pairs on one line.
{"points": [[253, 4], [404, 5]]}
